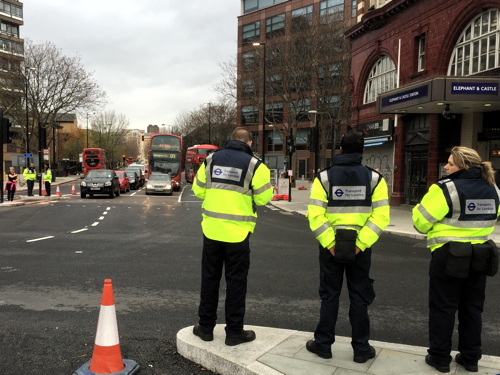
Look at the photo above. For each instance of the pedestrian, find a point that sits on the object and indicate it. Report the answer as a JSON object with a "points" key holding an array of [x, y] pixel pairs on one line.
{"points": [[29, 175], [10, 187], [457, 214], [347, 212], [48, 179], [231, 182]]}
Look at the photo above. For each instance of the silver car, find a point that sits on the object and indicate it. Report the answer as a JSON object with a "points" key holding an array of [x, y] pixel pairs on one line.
{"points": [[159, 184]]}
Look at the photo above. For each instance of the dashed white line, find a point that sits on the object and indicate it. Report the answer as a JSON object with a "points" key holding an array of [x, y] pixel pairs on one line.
{"points": [[101, 218], [40, 239], [80, 230], [95, 224]]}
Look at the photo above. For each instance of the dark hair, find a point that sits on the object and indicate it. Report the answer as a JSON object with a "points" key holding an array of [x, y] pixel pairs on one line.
{"points": [[352, 142]]}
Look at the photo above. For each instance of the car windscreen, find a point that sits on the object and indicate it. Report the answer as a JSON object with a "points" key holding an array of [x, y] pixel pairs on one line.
{"points": [[99, 174], [120, 174], [137, 171], [159, 177]]}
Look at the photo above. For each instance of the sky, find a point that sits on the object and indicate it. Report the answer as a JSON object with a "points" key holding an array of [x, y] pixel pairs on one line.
{"points": [[155, 59]]}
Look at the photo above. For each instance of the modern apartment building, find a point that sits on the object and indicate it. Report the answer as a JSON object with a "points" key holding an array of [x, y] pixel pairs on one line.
{"points": [[426, 77], [299, 47]]}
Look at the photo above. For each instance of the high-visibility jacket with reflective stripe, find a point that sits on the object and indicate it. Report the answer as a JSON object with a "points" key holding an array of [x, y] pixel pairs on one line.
{"points": [[48, 176], [29, 174], [231, 182], [348, 196], [463, 207]]}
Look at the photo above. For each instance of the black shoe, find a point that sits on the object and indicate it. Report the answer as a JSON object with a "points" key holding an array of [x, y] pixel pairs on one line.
{"points": [[468, 367], [240, 338], [198, 331], [311, 346], [440, 368], [363, 358]]}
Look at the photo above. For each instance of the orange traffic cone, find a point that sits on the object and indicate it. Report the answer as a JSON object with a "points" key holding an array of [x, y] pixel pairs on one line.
{"points": [[44, 192], [275, 195], [58, 192], [73, 190], [107, 356]]}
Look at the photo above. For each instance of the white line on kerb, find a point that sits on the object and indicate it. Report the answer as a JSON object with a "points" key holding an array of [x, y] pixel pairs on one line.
{"points": [[40, 239]]}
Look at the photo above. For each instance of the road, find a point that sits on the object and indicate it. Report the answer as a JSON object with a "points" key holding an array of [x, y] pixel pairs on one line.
{"points": [[55, 257]]}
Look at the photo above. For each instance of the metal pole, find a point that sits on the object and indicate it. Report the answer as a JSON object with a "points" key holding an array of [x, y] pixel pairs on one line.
{"points": [[209, 138], [27, 79], [40, 157], [87, 130], [264, 107]]}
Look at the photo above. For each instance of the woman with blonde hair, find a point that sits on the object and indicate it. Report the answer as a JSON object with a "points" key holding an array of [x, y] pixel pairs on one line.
{"points": [[10, 187], [458, 213]]}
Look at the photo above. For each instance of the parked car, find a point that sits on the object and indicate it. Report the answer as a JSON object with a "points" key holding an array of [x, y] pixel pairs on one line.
{"points": [[134, 179], [100, 181], [142, 176], [159, 184], [124, 181]]}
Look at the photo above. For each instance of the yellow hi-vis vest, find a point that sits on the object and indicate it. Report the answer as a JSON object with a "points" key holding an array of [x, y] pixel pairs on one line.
{"points": [[29, 176], [48, 176], [368, 221], [443, 211], [228, 209]]}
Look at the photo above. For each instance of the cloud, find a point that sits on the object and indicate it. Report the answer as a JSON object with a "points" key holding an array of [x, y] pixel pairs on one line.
{"points": [[154, 59]]}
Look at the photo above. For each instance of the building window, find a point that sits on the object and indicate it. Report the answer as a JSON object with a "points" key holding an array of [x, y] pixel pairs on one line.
{"points": [[382, 78], [275, 26], [331, 10], [250, 60], [300, 108], [255, 141], [253, 5], [11, 9], [302, 18], [8, 29], [421, 53], [274, 112], [354, 8], [302, 139], [11, 46], [477, 49], [249, 88], [329, 75], [249, 115], [251, 32]]}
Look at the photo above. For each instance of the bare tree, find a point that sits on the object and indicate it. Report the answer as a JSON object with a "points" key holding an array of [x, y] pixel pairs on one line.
{"points": [[57, 85], [108, 132]]}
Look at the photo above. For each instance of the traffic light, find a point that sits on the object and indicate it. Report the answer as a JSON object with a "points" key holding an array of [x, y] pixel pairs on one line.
{"points": [[8, 134], [290, 146]]}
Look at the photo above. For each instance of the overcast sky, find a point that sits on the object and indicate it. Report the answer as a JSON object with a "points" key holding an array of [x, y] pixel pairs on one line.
{"points": [[155, 59]]}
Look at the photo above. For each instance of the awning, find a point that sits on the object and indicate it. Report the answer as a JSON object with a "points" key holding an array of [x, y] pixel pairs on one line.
{"points": [[376, 141]]}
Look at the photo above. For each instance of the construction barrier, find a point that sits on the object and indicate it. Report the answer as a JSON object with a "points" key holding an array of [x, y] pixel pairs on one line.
{"points": [[107, 356], [73, 190]]}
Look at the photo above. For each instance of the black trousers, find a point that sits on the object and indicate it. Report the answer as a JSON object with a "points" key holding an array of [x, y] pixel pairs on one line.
{"points": [[30, 184], [361, 295], [47, 187], [235, 258], [447, 295]]}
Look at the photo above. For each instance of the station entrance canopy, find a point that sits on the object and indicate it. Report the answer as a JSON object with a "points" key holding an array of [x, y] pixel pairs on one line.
{"points": [[461, 95]]}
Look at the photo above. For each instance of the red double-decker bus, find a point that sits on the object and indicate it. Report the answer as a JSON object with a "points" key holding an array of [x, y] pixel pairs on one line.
{"points": [[93, 158], [195, 156], [164, 156]]}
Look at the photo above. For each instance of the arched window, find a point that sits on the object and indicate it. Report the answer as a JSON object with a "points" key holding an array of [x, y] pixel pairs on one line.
{"points": [[477, 49], [382, 78]]}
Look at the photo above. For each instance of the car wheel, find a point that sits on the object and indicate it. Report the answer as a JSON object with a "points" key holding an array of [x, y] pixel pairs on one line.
{"points": [[112, 194], [118, 193], [83, 195]]}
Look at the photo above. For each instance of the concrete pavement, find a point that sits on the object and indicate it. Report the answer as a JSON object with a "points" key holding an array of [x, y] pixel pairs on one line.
{"points": [[283, 352]]}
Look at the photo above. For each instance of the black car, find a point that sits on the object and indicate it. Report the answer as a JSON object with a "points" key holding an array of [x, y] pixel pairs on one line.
{"points": [[142, 177], [100, 181], [135, 180]]}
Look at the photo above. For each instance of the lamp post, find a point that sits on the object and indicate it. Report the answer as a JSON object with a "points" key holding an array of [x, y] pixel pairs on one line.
{"points": [[87, 130], [27, 80], [315, 138], [263, 101]]}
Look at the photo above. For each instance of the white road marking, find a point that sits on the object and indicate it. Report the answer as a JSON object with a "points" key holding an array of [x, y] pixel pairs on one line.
{"points": [[101, 218], [80, 230], [95, 224], [40, 239]]}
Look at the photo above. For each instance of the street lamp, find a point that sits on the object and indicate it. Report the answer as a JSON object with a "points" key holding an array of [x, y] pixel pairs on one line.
{"points": [[27, 80], [263, 100]]}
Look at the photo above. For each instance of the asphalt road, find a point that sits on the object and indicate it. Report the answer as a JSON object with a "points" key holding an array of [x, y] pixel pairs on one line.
{"points": [[55, 256]]}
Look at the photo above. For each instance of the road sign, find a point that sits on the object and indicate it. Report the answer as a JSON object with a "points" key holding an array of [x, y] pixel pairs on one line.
{"points": [[28, 155]]}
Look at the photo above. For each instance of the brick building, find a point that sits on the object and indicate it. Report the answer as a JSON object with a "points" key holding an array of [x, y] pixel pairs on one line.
{"points": [[425, 78]]}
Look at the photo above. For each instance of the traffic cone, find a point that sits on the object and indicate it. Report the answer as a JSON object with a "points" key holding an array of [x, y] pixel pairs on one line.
{"points": [[44, 192], [58, 192], [107, 356], [275, 195], [73, 190]]}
